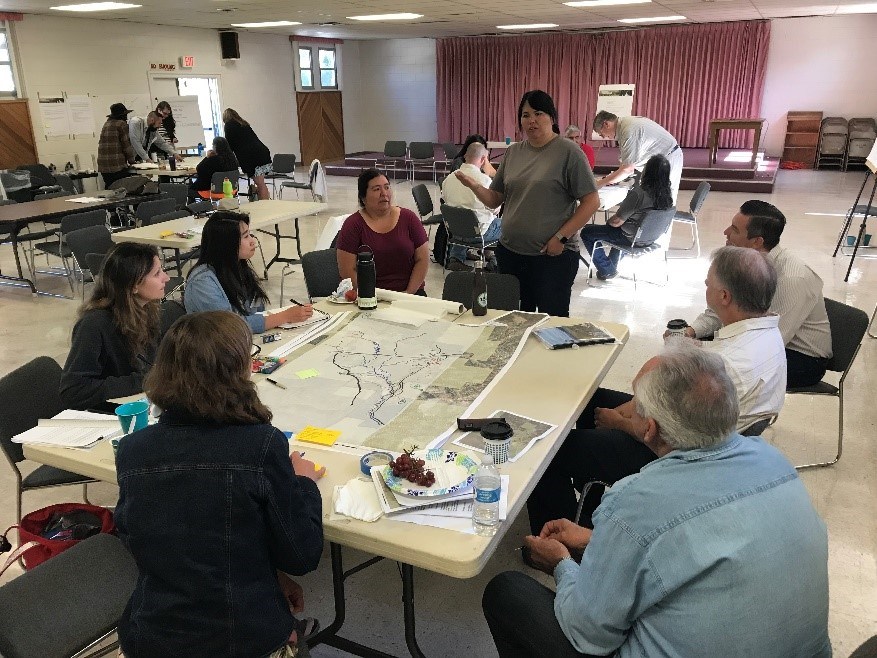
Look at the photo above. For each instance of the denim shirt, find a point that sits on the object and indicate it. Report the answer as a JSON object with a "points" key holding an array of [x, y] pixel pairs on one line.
{"points": [[710, 552], [204, 293], [210, 513]]}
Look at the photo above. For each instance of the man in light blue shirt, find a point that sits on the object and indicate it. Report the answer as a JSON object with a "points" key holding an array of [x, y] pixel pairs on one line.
{"points": [[713, 549]]}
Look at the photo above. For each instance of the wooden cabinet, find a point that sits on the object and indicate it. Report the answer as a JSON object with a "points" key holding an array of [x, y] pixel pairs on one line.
{"points": [[802, 138]]}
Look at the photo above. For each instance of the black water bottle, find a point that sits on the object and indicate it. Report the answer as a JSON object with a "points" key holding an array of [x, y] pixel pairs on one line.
{"points": [[366, 278], [479, 290], [172, 163]]}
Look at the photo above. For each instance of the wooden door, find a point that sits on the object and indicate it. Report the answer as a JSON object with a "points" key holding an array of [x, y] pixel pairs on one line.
{"points": [[17, 145], [320, 126]]}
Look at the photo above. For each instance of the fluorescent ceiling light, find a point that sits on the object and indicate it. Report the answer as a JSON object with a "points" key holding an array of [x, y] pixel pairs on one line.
{"points": [[266, 24], [96, 6], [604, 3], [386, 17], [527, 26], [652, 19], [857, 9]]}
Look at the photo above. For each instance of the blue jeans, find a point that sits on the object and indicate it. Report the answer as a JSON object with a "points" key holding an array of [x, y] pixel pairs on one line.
{"points": [[491, 234], [613, 234]]}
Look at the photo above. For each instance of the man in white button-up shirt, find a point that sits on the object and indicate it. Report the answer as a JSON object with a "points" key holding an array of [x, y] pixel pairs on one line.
{"points": [[798, 301]]}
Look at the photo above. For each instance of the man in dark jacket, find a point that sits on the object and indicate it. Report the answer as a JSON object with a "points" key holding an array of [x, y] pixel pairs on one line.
{"points": [[114, 150]]}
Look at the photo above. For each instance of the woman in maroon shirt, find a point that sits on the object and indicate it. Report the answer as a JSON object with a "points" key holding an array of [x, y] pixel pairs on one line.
{"points": [[395, 235]]}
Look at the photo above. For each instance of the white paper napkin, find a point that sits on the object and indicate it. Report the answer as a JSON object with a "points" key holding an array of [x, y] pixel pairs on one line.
{"points": [[359, 500]]}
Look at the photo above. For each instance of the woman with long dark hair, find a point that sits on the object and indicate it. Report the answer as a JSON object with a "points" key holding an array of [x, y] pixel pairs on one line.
{"points": [[219, 158], [654, 192], [224, 280], [115, 337], [212, 506], [549, 193], [254, 156]]}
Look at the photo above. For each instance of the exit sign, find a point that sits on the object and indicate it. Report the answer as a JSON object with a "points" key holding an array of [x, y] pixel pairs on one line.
{"points": [[187, 61]]}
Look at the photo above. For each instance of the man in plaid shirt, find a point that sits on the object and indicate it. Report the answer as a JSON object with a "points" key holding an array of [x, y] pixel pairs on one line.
{"points": [[114, 150]]}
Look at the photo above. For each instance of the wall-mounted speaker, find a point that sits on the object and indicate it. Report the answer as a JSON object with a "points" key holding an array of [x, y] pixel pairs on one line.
{"points": [[228, 44]]}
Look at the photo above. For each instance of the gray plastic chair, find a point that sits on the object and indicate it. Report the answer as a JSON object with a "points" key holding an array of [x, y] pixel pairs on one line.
{"points": [[202, 207], [848, 327], [282, 169], [503, 290], [70, 604], [147, 211], [422, 153], [690, 217], [309, 186], [60, 249], [27, 394], [653, 235], [395, 154], [423, 201], [463, 229], [320, 269], [89, 240], [179, 192]]}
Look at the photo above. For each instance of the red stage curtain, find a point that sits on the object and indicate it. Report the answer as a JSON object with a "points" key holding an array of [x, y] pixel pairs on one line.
{"points": [[685, 75]]}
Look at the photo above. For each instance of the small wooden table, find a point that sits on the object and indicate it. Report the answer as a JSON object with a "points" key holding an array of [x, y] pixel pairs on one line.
{"points": [[734, 124]]}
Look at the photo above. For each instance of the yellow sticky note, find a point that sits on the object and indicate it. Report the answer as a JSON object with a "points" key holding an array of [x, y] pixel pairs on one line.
{"points": [[307, 374], [319, 435]]}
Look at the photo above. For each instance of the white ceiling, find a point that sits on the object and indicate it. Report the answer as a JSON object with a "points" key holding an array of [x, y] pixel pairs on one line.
{"points": [[441, 18]]}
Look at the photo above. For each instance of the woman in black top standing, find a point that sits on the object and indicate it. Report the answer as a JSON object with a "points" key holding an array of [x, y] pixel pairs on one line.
{"points": [[168, 127], [253, 155], [219, 158]]}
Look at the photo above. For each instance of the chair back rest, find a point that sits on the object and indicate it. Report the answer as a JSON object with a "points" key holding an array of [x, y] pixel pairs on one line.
{"points": [[147, 210], [451, 150], [39, 174], [699, 197], [462, 223], [422, 199], [81, 220], [201, 207], [395, 149], [171, 311], [315, 168], [320, 269], [27, 394], [94, 262], [655, 224], [503, 290], [65, 182], [168, 216], [421, 150], [178, 191], [283, 163], [42, 617], [848, 327], [220, 176], [89, 240]]}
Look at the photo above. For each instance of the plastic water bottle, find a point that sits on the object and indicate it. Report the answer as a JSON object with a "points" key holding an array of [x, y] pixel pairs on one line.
{"points": [[227, 189], [479, 291], [485, 511], [200, 150]]}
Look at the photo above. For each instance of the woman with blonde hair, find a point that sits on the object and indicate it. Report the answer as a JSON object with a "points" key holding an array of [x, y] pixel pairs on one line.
{"points": [[254, 156], [115, 337], [212, 507]]}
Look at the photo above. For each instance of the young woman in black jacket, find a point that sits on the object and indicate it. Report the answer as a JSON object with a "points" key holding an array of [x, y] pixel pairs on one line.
{"points": [[254, 156]]}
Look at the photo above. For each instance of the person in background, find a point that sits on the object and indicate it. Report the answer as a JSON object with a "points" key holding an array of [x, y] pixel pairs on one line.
{"points": [[224, 280], [454, 193], [460, 158], [395, 236], [212, 506], [145, 138], [219, 158], [114, 151], [715, 512], [254, 156], [575, 134], [638, 139], [549, 194], [115, 337], [168, 127], [652, 193]]}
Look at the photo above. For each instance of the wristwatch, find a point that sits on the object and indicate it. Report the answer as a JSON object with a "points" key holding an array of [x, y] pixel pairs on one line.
{"points": [[561, 237]]}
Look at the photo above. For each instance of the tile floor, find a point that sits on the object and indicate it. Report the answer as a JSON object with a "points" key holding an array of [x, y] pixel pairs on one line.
{"points": [[448, 611]]}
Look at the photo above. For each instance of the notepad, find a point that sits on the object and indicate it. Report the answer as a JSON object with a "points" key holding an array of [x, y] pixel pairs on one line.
{"points": [[320, 435]]}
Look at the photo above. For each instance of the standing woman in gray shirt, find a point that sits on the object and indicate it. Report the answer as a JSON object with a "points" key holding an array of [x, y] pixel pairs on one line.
{"points": [[549, 194]]}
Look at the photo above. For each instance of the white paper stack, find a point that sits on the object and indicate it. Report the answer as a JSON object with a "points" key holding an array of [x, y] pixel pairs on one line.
{"points": [[72, 429]]}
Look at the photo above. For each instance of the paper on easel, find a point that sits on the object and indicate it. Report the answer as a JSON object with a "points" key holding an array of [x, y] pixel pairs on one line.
{"points": [[871, 160]]}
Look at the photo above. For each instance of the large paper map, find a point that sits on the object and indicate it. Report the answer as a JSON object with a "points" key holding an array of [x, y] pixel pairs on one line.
{"points": [[392, 386]]}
